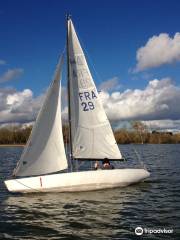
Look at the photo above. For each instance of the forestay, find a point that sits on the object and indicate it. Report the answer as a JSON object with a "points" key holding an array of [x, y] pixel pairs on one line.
{"points": [[92, 136], [44, 152]]}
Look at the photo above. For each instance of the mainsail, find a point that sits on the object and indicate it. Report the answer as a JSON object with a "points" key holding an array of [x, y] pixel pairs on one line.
{"points": [[91, 133], [44, 152]]}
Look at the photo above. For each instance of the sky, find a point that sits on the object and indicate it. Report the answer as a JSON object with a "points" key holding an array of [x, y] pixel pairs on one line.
{"points": [[132, 48]]}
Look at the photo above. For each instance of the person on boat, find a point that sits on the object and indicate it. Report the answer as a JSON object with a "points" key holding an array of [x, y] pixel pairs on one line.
{"points": [[96, 165], [106, 164]]}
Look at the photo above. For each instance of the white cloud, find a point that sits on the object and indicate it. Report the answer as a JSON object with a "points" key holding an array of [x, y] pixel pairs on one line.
{"points": [[22, 107], [110, 84], [166, 124], [157, 101], [158, 50], [2, 62], [11, 74], [16, 124], [18, 106], [18, 98]]}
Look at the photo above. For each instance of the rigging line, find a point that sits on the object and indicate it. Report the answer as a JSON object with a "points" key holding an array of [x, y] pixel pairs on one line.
{"points": [[80, 164], [89, 59], [117, 164], [137, 154], [149, 126], [27, 186], [66, 139], [2, 178]]}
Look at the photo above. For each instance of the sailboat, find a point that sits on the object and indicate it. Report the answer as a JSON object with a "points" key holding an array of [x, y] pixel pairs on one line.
{"points": [[44, 165]]}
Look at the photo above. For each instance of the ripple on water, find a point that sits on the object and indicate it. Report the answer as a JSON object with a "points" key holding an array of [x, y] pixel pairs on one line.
{"points": [[105, 214]]}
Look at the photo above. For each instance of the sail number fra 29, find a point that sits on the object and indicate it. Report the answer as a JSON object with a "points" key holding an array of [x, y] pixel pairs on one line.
{"points": [[86, 100]]}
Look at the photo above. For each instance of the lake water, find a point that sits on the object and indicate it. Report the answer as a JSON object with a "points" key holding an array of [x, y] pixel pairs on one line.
{"points": [[106, 214]]}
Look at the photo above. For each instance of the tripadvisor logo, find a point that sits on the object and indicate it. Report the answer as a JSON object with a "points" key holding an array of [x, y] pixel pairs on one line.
{"points": [[139, 231]]}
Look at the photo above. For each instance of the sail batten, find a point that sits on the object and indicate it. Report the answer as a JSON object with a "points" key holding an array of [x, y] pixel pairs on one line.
{"points": [[44, 152], [92, 136]]}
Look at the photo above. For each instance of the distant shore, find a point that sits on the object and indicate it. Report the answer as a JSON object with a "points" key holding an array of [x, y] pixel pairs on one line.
{"points": [[17, 136]]}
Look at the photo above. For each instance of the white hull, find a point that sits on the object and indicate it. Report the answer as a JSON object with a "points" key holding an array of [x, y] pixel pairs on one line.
{"points": [[78, 181]]}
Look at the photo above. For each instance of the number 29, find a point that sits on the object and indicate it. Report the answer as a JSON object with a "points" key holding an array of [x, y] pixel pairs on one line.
{"points": [[87, 106]]}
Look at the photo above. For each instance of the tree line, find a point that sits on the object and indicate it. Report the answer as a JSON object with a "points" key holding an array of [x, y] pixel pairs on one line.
{"points": [[138, 134], [14, 135], [126, 137], [141, 134]]}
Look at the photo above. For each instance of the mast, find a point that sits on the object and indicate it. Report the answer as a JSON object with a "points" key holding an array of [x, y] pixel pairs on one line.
{"points": [[68, 17]]}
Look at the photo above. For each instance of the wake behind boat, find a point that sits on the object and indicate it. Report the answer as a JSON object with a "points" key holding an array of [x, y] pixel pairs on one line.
{"points": [[91, 136]]}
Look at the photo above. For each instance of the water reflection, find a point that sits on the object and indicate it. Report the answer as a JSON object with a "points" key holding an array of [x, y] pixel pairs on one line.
{"points": [[85, 214]]}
